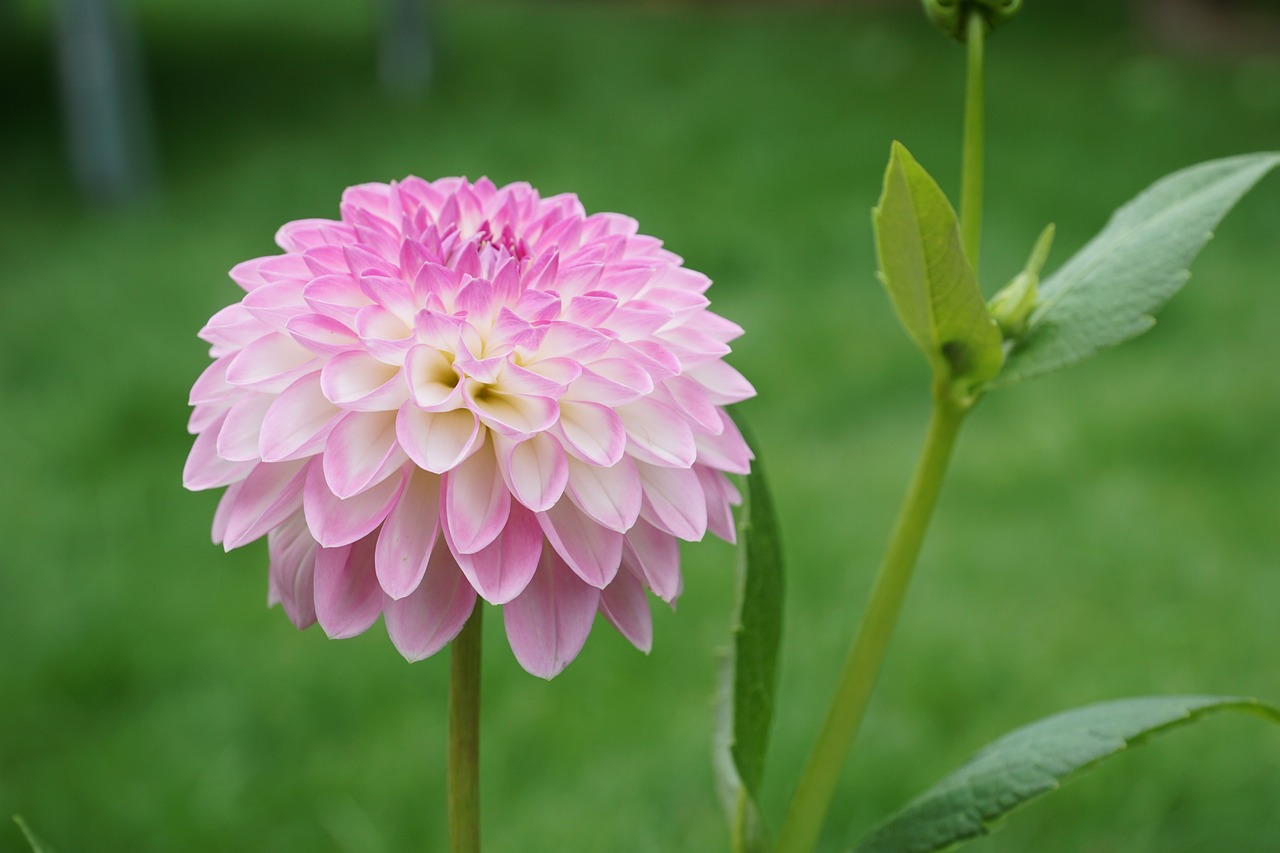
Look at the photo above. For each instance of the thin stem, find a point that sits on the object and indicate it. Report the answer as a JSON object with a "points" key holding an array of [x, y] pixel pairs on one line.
{"points": [[464, 738], [971, 175], [812, 798]]}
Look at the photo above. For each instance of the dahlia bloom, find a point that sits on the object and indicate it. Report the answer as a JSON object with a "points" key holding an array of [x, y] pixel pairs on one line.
{"points": [[459, 390]]}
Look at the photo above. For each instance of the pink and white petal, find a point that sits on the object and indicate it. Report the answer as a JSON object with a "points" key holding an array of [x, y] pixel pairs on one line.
{"points": [[275, 304], [298, 422], [348, 598], [691, 399], [626, 606], [424, 622], [291, 578], [606, 375], [336, 296], [303, 234], [320, 334], [359, 382], [259, 272], [569, 340], [334, 521], [271, 363], [591, 309], [655, 556], [510, 414], [223, 512], [231, 330], [658, 434], [592, 432], [432, 380], [475, 501], [548, 623], [593, 552], [502, 569], [204, 416], [673, 501], [535, 469], [361, 452], [408, 535], [205, 469], [513, 379], [393, 294], [212, 386], [609, 496], [437, 441], [724, 384], [719, 503], [238, 436], [727, 451], [271, 493]]}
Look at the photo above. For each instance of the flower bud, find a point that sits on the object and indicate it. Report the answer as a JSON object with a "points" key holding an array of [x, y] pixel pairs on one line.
{"points": [[951, 15], [1011, 308]]}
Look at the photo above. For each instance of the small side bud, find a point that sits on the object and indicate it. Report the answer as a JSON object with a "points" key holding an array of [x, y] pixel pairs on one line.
{"points": [[952, 15], [1011, 308]]}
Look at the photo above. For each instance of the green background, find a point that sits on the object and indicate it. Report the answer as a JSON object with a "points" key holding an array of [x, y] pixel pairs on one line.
{"points": [[1107, 531]]}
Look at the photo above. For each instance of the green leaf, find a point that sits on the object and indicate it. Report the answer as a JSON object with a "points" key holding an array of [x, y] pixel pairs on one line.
{"points": [[36, 844], [745, 698], [1032, 761], [929, 279], [1108, 291]]}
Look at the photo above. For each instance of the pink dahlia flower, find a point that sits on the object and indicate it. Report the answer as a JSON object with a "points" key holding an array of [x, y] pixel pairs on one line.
{"points": [[459, 390]]}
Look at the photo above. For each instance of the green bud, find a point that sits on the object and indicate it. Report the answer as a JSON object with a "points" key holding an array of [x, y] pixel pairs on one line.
{"points": [[952, 15], [1012, 306]]}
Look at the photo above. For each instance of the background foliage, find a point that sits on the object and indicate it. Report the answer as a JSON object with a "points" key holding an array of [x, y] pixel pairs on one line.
{"points": [[1108, 531]]}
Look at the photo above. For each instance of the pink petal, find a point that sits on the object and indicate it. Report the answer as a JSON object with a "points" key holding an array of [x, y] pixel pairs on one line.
{"points": [[592, 432], [724, 384], [275, 304], [476, 502], [535, 469], [348, 598], [502, 569], [212, 386], [432, 379], [336, 296], [361, 451], [423, 622], [510, 414], [719, 503], [291, 578], [727, 451], [610, 496], [334, 521], [656, 556], [205, 469], [298, 422], [548, 623], [320, 334], [238, 437], [673, 501], [356, 381], [626, 606], [658, 434], [592, 551], [692, 399], [271, 493], [408, 536], [271, 363], [223, 512], [437, 441]]}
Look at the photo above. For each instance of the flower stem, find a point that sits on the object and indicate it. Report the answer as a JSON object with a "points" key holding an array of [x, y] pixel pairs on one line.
{"points": [[812, 798], [972, 162], [464, 738]]}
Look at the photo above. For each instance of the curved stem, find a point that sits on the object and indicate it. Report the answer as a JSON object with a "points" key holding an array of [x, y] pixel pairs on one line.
{"points": [[464, 738], [972, 163], [812, 797]]}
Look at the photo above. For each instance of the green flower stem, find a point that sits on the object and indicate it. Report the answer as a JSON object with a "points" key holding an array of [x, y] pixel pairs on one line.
{"points": [[971, 175], [464, 738], [812, 798]]}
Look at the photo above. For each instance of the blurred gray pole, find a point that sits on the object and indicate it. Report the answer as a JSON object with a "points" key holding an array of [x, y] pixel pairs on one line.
{"points": [[103, 99], [404, 50]]}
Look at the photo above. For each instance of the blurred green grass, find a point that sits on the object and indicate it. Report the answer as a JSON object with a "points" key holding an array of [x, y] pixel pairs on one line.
{"points": [[1108, 531]]}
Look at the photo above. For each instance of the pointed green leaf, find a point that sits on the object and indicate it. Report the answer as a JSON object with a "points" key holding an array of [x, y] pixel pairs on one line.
{"points": [[745, 698], [929, 279], [1107, 292], [1032, 761]]}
